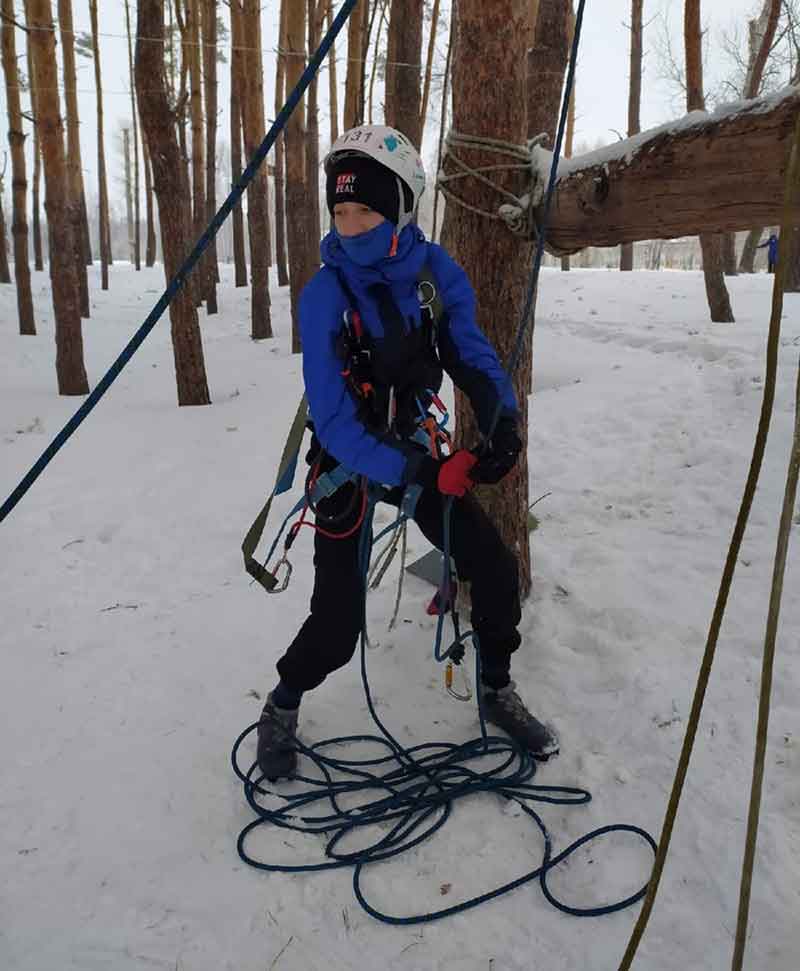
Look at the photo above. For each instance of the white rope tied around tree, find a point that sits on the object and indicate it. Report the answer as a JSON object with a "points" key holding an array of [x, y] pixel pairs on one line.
{"points": [[518, 213]]}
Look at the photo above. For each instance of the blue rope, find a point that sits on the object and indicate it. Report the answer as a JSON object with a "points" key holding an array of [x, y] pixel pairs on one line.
{"points": [[183, 272]]}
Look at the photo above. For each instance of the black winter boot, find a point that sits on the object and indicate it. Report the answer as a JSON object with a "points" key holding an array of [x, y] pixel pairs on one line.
{"points": [[277, 755], [504, 708]]}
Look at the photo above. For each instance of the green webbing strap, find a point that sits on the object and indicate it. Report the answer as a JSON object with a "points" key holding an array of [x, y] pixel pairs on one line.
{"points": [[283, 482]]}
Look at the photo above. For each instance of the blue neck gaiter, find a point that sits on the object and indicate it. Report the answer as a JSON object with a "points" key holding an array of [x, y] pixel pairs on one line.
{"points": [[371, 247]]}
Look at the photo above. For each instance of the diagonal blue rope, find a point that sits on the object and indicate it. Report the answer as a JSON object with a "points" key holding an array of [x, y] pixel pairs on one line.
{"points": [[183, 272]]}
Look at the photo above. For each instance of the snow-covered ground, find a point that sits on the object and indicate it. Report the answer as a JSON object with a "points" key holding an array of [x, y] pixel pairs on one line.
{"points": [[133, 648]]}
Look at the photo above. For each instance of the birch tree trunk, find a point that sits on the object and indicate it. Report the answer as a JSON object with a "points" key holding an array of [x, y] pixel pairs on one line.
{"points": [[239, 257], [258, 190], [105, 231], [19, 183], [354, 83], [209, 37], [280, 154], [172, 192], [634, 104], [137, 245], [404, 70], [70, 370], [489, 99], [710, 243]]}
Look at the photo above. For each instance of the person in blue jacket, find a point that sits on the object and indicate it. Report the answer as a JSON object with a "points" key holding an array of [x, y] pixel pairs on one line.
{"points": [[772, 252], [369, 383]]}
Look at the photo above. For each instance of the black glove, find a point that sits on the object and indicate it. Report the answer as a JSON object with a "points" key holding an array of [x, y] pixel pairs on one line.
{"points": [[501, 453]]}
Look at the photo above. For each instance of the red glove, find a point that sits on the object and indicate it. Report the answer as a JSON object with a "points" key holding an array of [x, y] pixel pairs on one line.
{"points": [[454, 478]]}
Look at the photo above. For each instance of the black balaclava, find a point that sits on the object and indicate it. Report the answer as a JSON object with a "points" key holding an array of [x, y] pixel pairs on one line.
{"points": [[358, 178]]}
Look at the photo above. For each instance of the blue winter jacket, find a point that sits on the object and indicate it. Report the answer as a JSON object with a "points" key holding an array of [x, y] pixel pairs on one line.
{"points": [[464, 351]]}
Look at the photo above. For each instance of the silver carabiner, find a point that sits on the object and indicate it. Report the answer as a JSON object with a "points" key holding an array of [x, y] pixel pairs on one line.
{"points": [[280, 586], [466, 695]]}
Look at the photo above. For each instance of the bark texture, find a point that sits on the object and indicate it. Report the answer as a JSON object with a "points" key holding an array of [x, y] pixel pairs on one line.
{"points": [[489, 98], [70, 370], [315, 18], [404, 69], [333, 88], [354, 83], [634, 103], [237, 82], [258, 190], [105, 231], [137, 225], [209, 38], [711, 244], [280, 156], [5, 271], [172, 192], [426, 84], [76, 204], [19, 182]]}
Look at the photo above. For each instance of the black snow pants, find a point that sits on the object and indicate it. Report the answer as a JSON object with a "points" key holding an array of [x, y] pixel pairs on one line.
{"points": [[328, 638]]}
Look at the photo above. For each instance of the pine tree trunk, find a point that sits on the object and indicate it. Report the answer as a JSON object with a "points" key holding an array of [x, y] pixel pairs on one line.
{"points": [[489, 44], [70, 370], [74, 169], [209, 24], [792, 284], [373, 71], [150, 234], [258, 190], [38, 261], [426, 87], [729, 265], [280, 156], [5, 270], [126, 151], [105, 231], [315, 15], [296, 220], [239, 257], [403, 69], [354, 87], [710, 243], [634, 104], [19, 182], [569, 135], [137, 223], [333, 88], [748, 257], [192, 13], [443, 117], [172, 192]]}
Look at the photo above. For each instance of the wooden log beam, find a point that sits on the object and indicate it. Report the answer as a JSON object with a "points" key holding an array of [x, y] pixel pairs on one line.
{"points": [[708, 172]]}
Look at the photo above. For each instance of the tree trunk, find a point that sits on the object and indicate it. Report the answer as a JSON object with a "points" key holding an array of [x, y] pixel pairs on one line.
{"points": [[5, 270], [727, 170], [426, 87], [192, 15], [209, 35], [404, 70], [38, 262], [634, 104], [19, 183], [373, 72], [490, 45], [137, 242], [280, 156], [105, 231], [173, 197], [748, 257], [76, 201], [239, 257], [729, 265], [569, 135], [126, 150], [315, 15], [443, 117], [333, 88], [258, 190], [792, 283], [354, 87], [150, 235], [297, 225], [546, 64], [70, 369], [711, 244]]}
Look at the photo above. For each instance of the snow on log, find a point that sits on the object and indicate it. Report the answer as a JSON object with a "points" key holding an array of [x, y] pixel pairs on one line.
{"points": [[709, 171]]}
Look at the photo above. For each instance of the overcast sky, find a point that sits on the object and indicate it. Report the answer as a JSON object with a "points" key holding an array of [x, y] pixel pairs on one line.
{"points": [[601, 87]]}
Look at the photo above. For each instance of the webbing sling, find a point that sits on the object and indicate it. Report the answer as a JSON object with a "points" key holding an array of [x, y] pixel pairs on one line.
{"points": [[283, 482]]}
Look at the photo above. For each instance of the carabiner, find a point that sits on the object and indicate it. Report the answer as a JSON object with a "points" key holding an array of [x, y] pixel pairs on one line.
{"points": [[281, 585], [448, 683]]}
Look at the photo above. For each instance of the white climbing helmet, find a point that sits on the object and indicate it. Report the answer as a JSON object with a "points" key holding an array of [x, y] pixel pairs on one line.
{"points": [[392, 149]]}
